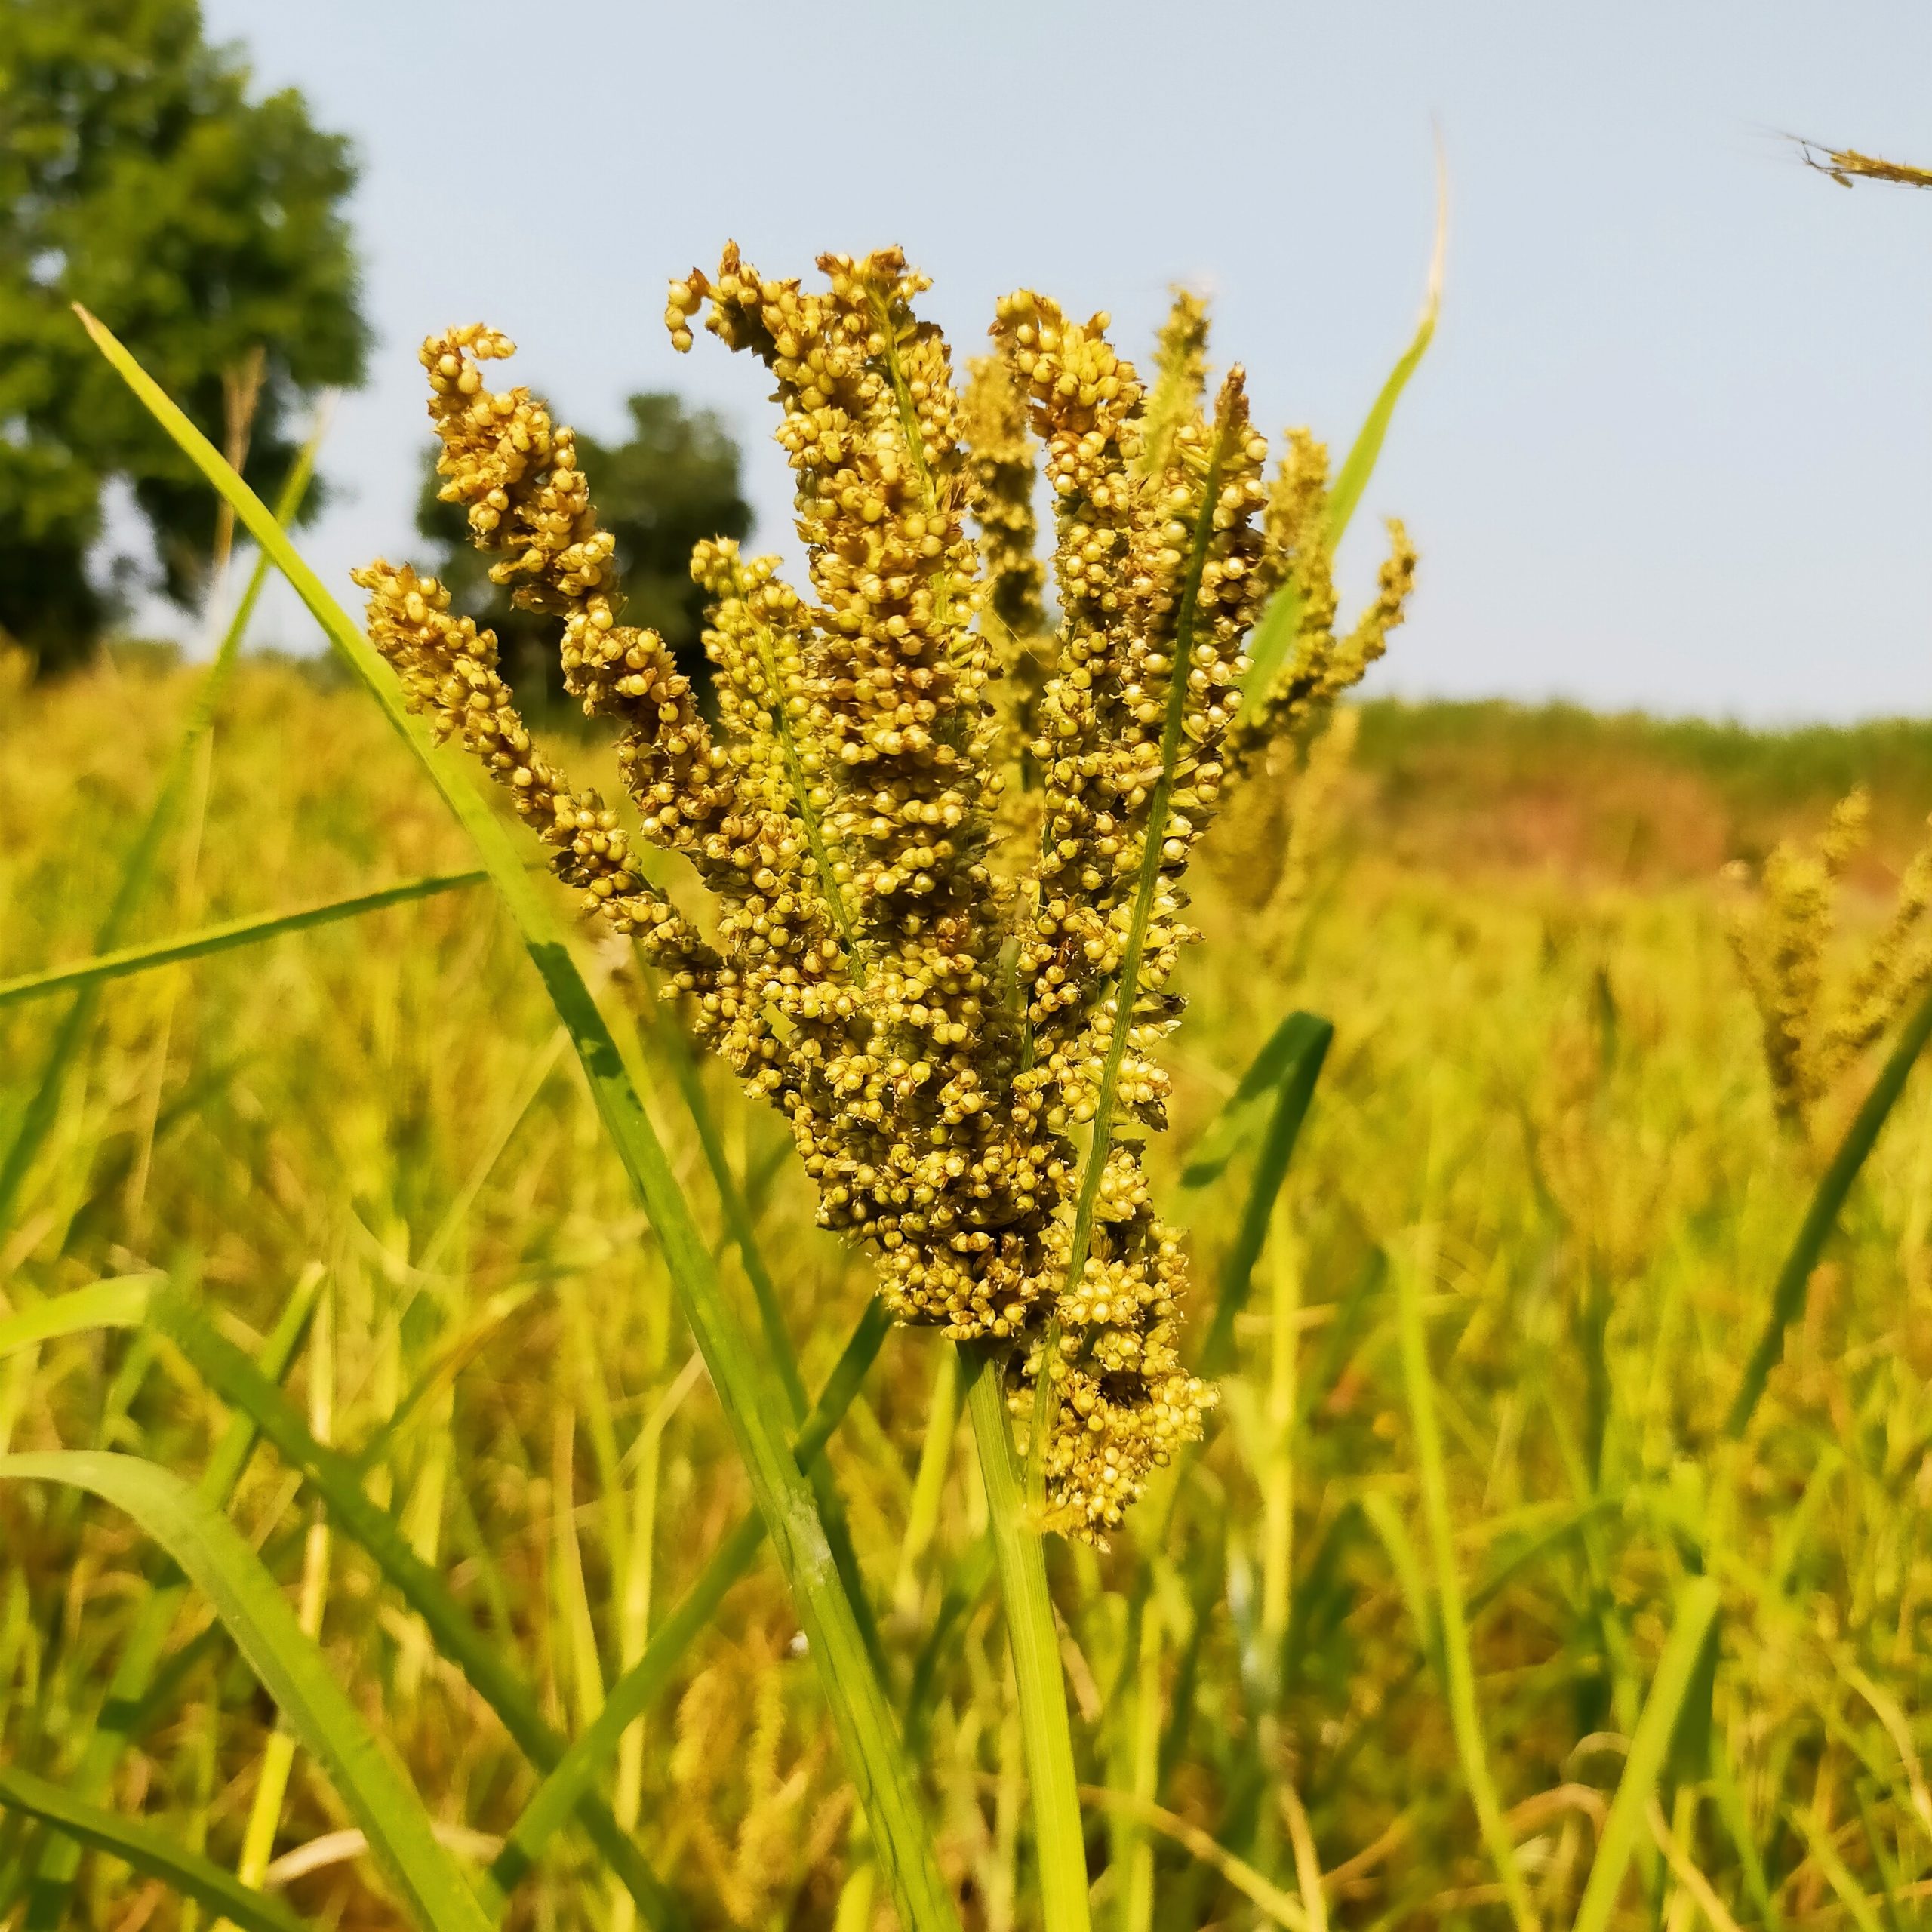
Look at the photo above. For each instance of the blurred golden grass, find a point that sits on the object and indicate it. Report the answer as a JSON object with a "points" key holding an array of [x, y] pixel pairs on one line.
{"points": [[1545, 1093]]}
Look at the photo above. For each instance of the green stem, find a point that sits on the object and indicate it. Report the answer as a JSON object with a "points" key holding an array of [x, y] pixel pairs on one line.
{"points": [[1458, 1675], [250, 931], [752, 1403], [1060, 1839], [1821, 1217]]}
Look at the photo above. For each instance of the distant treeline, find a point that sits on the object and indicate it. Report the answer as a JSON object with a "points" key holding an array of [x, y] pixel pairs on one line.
{"points": [[1625, 792]]}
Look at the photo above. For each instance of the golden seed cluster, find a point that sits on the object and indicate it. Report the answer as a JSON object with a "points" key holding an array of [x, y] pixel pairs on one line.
{"points": [[1180, 377], [1299, 557], [1781, 940], [1001, 470], [931, 1009]]}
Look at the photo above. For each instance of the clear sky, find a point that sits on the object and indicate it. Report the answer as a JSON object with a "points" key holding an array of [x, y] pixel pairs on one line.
{"points": [[1673, 448]]}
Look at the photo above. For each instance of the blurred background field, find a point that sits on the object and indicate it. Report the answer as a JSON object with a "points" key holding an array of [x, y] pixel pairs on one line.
{"points": [[1545, 1097]]}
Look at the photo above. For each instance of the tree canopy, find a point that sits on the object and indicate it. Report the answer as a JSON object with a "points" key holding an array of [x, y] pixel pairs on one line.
{"points": [[138, 177], [673, 480]]}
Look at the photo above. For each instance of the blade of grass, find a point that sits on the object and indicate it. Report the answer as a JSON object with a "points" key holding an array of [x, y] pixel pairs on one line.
{"points": [[1305, 1040], [289, 1665], [1231, 1129], [1282, 1907], [1650, 1746], [1736, 1820], [125, 1709], [965, 1587], [852, 1688], [1881, 1861], [250, 931], [572, 1775], [1684, 1869], [1458, 1673], [1275, 635], [122, 1303], [1366, 451], [922, 1515], [338, 1480], [86, 1826], [137, 868], [1821, 1216], [1060, 1839], [741, 1224], [277, 1761]]}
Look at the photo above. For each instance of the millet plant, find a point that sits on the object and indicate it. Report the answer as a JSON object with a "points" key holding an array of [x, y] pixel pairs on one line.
{"points": [[945, 914], [941, 840]]}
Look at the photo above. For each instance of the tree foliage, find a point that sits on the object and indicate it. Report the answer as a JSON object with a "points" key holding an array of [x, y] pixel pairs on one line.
{"points": [[138, 177], [672, 482]]}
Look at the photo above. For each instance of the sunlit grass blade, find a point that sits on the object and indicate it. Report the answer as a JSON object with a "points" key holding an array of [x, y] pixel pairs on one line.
{"points": [[1256, 1888], [84, 1825], [289, 1665], [741, 1225], [125, 1708], [1650, 1746], [120, 1303], [1458, 1671], [337, 1479], [138, 869], [1828, 1198], [1366, 451], [1274, 636], [861, 1713], [1046, 1730], [576, 1772], [1305, 1040], [1232, 1130], [967, 1584], [232, 933]]}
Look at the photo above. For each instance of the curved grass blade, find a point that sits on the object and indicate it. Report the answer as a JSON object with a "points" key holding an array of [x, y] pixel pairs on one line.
{"points": [[250, 931], [1650, 1746], [137, 868], [1230, 1131], [337, 1479], [1275, 635], [86, 1827], [290, 1666], [124, 1710], [120, 1303], [1366, 451], [741, 1223], [753, 1406], [1306, 1040], [1458, 1673], [573, 1774], [1821, 1217], [1259, 1890]]}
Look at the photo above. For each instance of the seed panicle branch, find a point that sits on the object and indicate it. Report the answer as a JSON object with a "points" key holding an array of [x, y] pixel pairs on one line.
{"points": [[1781, 939], [936, 832]]}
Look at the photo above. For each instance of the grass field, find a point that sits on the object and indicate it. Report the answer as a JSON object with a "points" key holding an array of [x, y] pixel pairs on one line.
{"points": [[1389, 1660]]}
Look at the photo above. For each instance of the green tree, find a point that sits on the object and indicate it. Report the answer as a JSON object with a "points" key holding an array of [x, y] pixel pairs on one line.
{"points": [[673, 480], [138, 177]]}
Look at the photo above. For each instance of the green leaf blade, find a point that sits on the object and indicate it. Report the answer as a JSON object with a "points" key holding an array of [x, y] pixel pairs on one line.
{"points": [[290, 1666], [90, 1827]]}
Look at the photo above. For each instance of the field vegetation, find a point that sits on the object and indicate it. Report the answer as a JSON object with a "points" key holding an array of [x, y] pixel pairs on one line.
{"points": [[460, 1467], [1543, 1136]]}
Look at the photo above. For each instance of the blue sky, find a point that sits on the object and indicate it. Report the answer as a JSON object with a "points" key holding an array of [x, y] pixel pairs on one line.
{"points": [[1673, 448]]}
